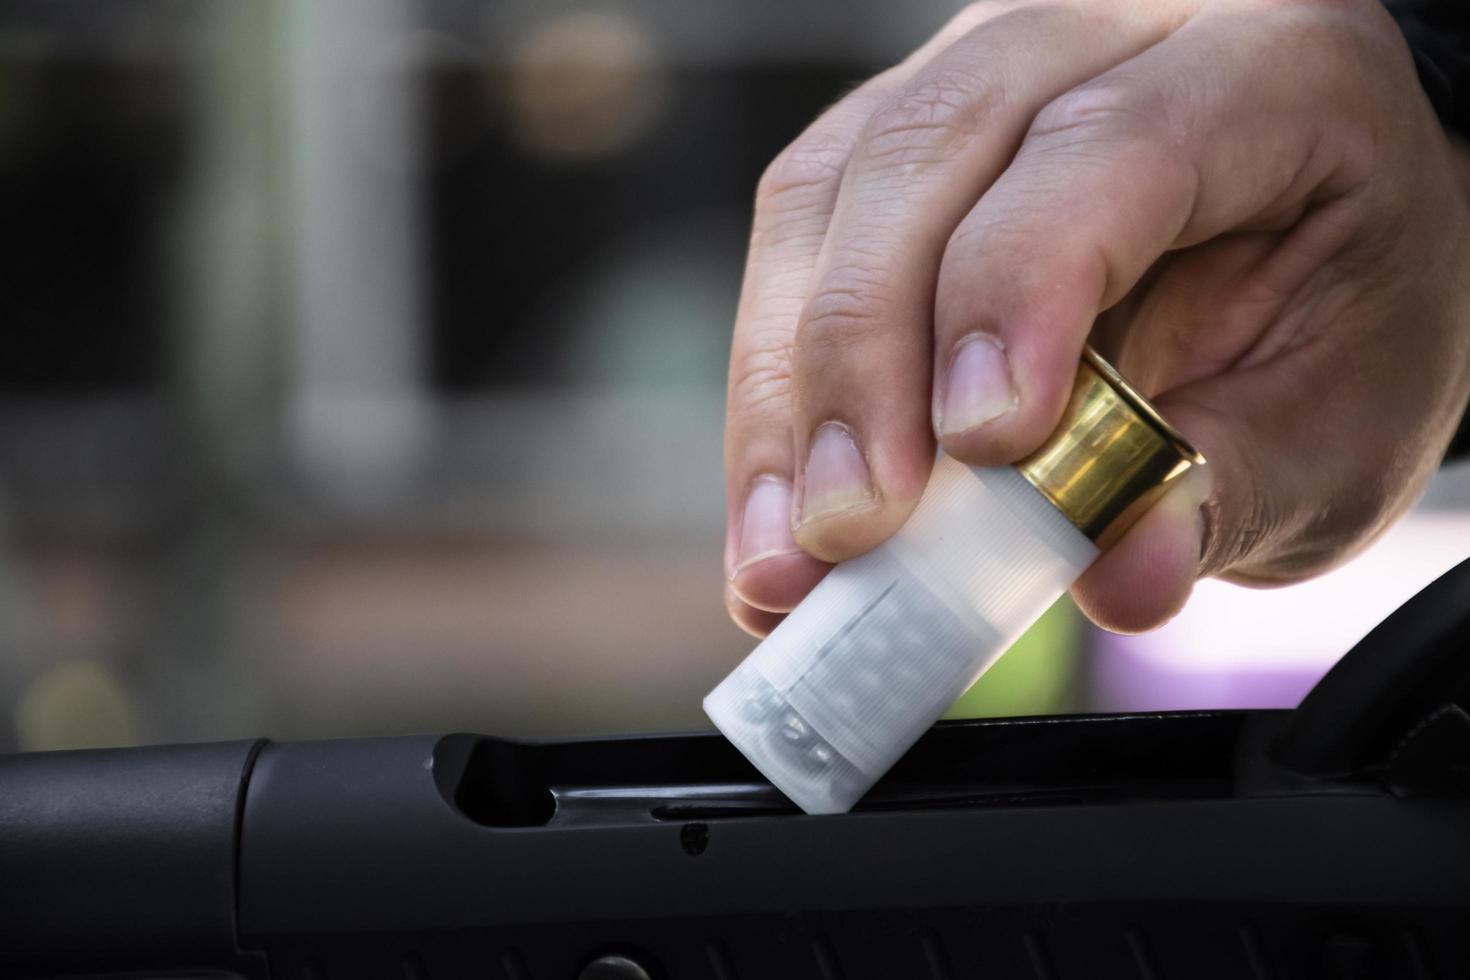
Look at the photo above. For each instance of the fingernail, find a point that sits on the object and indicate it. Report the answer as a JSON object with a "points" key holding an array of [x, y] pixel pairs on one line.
{"points": [[836, 476], [765, 524], [978, 387]]}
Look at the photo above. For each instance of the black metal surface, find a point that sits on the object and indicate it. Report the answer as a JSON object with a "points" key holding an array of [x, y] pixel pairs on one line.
{"points": [[1084, 845], [1321, 843], [1411, 665], [314, 809], [120, 859], [994, 830]]}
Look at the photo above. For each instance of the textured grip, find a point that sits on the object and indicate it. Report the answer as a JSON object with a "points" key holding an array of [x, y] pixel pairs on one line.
{"points": [[887, 642]]}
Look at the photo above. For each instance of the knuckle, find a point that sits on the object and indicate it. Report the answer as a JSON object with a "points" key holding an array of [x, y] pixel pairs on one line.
{"points": [[1254, 530], [839, 314], [811, 166], [761, 380], [1237, 542], [1002, 235], [1105, 110], [1241, 517], [932, 119]]}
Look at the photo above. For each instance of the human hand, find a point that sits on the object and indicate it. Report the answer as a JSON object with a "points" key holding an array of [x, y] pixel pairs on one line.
{"points": [[1247, 205]]}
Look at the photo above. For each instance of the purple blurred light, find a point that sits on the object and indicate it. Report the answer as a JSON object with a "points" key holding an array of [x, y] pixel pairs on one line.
{"points": [[1235, 647]]}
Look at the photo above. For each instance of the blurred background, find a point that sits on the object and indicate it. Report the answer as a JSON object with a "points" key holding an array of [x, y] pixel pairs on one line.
{"points": [[364, 373]]}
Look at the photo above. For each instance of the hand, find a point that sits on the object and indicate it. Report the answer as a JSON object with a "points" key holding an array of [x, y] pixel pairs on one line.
{"points": [[1248, 206]]}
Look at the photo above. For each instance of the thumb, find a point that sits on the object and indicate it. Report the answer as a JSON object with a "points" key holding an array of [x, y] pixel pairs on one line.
{"points": [[1285, 494], [1145, 578]]}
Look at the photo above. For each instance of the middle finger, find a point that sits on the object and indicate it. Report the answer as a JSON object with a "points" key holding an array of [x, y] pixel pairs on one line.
{"points": [[862, 362]]}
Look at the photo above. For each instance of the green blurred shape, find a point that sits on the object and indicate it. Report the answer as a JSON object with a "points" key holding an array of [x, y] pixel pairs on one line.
{"points": [[1039, 675], [77, 705]]}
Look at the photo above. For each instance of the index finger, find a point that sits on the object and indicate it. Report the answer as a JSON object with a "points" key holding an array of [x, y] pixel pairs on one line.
{"points": [[765, 571]]}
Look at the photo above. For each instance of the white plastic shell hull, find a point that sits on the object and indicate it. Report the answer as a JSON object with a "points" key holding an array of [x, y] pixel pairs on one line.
{"points": [[888, 641]]}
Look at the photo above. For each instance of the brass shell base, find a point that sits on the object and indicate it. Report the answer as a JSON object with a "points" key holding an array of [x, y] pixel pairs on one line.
{"points": [[1111, 456]]}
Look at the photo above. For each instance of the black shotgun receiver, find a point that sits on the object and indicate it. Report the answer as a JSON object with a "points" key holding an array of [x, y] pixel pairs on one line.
{"points": [[1331, 841]]}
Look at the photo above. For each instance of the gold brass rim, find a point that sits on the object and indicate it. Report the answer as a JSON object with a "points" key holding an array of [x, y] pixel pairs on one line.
{"points": [[1111, 457], [1142, 406]]}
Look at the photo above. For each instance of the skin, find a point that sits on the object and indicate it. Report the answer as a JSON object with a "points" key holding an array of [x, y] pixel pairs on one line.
{"points": [[1248, 206]]}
